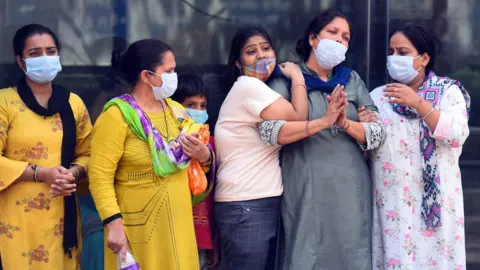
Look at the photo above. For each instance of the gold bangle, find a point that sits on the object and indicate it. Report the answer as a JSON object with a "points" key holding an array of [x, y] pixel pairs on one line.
{"points": [[208, 162], [418, 103], [298, 85], [428, 114]]}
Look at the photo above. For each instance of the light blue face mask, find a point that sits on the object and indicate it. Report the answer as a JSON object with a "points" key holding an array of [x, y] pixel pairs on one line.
{"points": [[198, 116], [43, 69]]}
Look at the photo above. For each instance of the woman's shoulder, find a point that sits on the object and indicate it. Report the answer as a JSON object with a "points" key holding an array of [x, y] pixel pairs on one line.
{"points": [[378, 90], [280, 85], [355, 77], [355, 86], [8, 95], [75, 100], [246, 81], [111, 116], [247, 86], [8, 92]]}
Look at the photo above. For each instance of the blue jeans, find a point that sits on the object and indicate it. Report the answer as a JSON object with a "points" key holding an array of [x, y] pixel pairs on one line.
{"points": [[248, 233]]}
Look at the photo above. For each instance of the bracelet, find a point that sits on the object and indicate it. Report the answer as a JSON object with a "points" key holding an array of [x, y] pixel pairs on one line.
{"points": [[209, 162], [306, 128], [428, 114], [418, 103], [298, 85], [35, 173]]}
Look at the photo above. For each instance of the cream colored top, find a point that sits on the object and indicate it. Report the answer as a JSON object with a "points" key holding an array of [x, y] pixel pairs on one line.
{"points": [[247, 168]]}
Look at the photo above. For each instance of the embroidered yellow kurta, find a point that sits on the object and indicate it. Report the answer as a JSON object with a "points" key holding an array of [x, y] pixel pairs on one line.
{"points": [[157, 212], [31, 224]]}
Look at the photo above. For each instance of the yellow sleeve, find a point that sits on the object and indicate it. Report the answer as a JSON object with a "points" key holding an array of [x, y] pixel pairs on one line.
{"points": [[10, 169], [84, 129], [108, 139]]}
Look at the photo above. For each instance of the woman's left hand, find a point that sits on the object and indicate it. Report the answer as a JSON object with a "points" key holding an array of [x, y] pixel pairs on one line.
{"points": [[194, 148], [342, 118], [401, 94], [62, 187]]}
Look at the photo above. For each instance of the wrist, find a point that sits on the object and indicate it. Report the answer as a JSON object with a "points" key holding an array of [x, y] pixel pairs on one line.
{"points": [[298, 79], [113, 222], [206, 159], [344, 124], [318, 125], [40, 175], [417, 103]]}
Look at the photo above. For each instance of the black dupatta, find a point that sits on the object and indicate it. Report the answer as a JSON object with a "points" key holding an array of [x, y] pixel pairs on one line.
{"points": [[59, 103]]}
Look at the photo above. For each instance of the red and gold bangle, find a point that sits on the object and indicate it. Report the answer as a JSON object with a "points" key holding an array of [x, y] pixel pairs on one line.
{"points": [[418, 103]]}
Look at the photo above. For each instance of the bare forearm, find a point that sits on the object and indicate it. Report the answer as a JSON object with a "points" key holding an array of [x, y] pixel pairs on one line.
{"points": [[424, 108], [299, 99], [27, 175], [355, 130], [295, 131]]}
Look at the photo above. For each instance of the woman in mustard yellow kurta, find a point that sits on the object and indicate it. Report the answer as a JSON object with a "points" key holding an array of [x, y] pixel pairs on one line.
{"points": [[33, 156], [142, 197]]}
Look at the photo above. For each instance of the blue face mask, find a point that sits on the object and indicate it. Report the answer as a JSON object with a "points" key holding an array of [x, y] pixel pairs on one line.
{"points": [[43, 69], [198, 116]]}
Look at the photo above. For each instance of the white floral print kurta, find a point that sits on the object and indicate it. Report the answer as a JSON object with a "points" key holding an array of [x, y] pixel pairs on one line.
{"points": [[401, 239]]}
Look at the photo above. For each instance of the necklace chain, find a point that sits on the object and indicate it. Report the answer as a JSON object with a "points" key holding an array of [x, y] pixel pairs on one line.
{"points": [[167, 137]]}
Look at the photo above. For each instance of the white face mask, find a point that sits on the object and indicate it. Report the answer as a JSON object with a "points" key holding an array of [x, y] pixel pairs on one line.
{"points": [[329, 53], [169, 86], [401, 68], [42, 69]]}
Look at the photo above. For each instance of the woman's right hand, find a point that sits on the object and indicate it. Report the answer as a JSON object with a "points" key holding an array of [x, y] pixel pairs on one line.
{"points": [[291, 70], [336, 105], [366, 116], [116, 238], [60, 180]]}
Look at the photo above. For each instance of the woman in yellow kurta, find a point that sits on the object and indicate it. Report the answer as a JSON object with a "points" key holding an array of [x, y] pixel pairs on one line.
{"points": [[137, 170], [42, 128]]}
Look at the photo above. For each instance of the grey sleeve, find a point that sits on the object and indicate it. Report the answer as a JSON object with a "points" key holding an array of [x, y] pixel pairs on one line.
{"points": [[374, 132], [280, 85], [362, 94], [269, 131]]}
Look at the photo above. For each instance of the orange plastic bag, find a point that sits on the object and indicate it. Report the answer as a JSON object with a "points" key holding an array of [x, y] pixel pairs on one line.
{"points": [[196, 176]]}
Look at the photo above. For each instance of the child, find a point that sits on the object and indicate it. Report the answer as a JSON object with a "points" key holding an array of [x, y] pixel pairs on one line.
{"points": [[193, 96]]}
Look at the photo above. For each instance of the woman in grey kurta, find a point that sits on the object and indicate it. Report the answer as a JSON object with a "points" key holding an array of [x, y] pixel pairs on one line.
{"points": [[326, 207]]}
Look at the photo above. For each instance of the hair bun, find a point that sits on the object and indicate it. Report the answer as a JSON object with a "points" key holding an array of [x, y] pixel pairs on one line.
{"points": [[300, 48], [117, 60]]}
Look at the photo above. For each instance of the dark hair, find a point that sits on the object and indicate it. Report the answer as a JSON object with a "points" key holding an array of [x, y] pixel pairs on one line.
{"points": [[316, 25], [423, 39], [27, 31], [238, 42], [142, 55], [189, 85]]}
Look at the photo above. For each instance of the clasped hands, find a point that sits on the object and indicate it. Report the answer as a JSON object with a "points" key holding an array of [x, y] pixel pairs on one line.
{"points": [[336, 108], [60, 180]]}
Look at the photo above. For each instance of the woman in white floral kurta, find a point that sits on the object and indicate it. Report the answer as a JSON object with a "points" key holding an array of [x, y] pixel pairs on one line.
{"points": [[401, 237]]}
